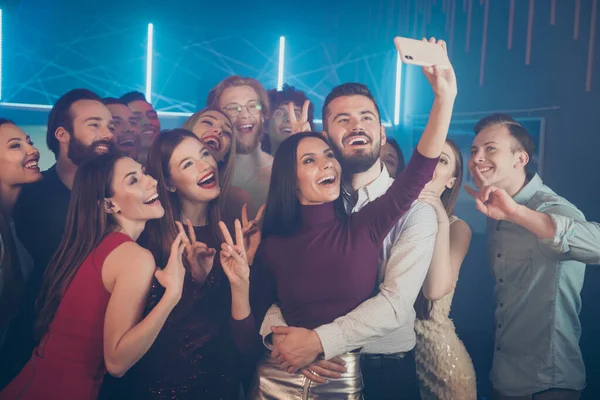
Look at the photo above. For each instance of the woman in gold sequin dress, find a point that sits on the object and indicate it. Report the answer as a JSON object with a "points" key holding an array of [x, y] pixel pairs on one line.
{"points": [[444, 368]]}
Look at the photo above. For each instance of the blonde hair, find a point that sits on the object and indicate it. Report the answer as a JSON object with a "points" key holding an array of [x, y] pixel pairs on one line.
{"points": [[212, 100]]}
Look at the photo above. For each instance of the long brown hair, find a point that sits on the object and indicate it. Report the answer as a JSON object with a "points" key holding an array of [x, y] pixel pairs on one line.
{"points": [[86, 225], [14, 283], [227, 164], [283, 212], [449, 196], [159, 235]]}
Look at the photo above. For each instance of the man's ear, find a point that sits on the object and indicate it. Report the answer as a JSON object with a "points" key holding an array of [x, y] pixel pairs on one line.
{"points": [[383, 135], [522, 159], [62, 135]]}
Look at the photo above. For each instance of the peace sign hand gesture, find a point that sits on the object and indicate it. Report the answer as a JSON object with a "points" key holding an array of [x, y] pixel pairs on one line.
{"points": [[251, 232], [299, 125], [233, 257], [491, 201], [199, 255]]}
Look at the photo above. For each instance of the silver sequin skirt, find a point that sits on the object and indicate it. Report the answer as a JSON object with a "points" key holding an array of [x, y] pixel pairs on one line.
{"points": [[274, 384]]}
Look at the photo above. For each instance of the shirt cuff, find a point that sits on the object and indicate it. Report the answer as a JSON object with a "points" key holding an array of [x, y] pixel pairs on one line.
{"points": [[273, 317], [267, 338], [564, 231], [332, 340]]}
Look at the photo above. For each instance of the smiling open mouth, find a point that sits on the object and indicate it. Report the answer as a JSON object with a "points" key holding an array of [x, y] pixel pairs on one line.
{"points": [[101, 148], [213, 142], [148, 132], [357, 141], [32, 164], [327, 180], [152, 199], [127, 142], [243, 129], [208, 181]]}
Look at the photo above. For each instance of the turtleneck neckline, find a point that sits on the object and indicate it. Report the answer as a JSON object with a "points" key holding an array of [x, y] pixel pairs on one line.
{"points": [[317, 214]]}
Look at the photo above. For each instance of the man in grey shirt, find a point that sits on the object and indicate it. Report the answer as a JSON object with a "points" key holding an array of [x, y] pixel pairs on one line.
{"points": [[382, 327], [538, 245]]}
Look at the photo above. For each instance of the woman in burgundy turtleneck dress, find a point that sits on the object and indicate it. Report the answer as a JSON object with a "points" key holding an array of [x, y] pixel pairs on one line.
{"points": [[314, 259]]}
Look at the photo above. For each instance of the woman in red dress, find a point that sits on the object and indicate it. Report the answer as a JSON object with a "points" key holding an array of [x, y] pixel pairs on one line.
{"points": [[96, 286]]}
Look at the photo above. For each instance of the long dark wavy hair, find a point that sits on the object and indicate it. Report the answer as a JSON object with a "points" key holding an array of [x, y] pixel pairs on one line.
{"points": [[282, 214], [159, 234], [448, 197], [11, 294], [86, 225]]}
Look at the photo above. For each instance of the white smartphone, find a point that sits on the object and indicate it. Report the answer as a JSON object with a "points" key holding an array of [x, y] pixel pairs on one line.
{"points": [[421, 53]]}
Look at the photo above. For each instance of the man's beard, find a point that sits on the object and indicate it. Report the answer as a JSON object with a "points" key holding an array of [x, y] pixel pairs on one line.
{"points": [[360, 161], [243, 148], [79, 152]]}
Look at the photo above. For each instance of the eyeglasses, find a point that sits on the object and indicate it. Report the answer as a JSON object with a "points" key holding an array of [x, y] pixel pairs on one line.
{"points": [[235, 109]]}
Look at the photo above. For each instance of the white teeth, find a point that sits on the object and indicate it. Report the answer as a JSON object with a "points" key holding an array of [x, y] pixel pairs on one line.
{"points": [[127, 142], [325, 179], [245, 127], [484, 169], [357, 140], [209, 177], [31, 164], [151, 198], [287, 131], [148, 132]]}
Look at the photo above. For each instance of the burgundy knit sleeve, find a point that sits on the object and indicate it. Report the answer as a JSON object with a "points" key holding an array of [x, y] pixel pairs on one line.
{"points": [[379, 216]]}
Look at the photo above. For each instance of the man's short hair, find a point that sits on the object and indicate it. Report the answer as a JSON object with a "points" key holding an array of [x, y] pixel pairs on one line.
{"points": [[60, 115], [133, 96], [347, 89], [289, 94], [113, 100], [516, 130]]}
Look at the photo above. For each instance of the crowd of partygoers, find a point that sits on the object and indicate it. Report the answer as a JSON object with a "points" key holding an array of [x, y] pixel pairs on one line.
{"points": [[247, 255]]}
